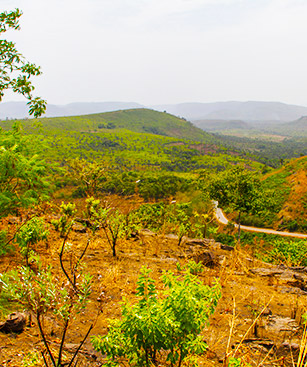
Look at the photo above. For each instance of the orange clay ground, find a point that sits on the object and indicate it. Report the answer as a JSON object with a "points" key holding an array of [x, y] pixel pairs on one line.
{"points": [[250, 289]]}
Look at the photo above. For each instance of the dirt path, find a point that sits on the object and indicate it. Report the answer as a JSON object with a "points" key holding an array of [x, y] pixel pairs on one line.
{"points": [[220, 216]]}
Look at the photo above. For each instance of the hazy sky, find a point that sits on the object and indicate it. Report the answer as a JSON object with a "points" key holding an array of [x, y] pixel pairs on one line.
{"points": [[165, 51]]}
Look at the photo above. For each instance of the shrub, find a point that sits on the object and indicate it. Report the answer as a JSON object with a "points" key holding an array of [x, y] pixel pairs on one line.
{"points": [[170, 324], [29, 235], [41, 292], [289, 252], [5, 245], [64, 223]]}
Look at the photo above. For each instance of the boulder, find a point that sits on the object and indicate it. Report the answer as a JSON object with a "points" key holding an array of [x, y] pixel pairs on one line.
{"points": [[78, 227], [15, 323], [207, 258]]}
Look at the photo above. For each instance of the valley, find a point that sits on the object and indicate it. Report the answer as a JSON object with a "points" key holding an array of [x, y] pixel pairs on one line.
{"points": [[88, 201]]}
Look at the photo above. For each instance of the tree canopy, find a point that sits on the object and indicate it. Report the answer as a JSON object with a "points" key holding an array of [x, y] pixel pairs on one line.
{"points": [[237, 187], [15, 70]]}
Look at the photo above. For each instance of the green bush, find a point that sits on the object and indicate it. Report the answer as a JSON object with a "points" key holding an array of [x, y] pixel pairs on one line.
{"points": [[5, 245], [164, 186], [64, 223], [170, 323], [292, 253], [29, 235]]}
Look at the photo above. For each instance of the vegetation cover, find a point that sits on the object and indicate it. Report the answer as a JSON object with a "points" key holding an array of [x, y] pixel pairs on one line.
{"points": [[131, 188], [122, 140]]}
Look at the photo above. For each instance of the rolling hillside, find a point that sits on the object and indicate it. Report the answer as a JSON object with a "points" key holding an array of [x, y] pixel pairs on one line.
{"points": [[131, 139], [136, 120], [218, 125], [290, 182], [297, 128]]}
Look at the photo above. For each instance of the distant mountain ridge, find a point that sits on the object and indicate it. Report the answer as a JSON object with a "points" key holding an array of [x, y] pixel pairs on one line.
{"points": [[250, 112], [215, 125], [246, 111], [19, 110]]}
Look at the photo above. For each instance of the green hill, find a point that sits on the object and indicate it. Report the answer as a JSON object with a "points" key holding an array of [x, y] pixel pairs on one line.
{"points": [[136, 120], [132, 139], [221, 125]]}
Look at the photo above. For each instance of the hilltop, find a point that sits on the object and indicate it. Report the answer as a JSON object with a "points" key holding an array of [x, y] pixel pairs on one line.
{"points": [[136, 120]]}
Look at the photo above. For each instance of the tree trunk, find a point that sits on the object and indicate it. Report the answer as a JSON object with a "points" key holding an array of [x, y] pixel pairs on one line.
{"points": [[114, 248], [239, 226]]}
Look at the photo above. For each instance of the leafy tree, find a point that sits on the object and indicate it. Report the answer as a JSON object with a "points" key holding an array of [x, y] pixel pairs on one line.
{"points": [[180, 216], [22, 173], [238, 188], [88, 176], [15, 71], [114, 224]]}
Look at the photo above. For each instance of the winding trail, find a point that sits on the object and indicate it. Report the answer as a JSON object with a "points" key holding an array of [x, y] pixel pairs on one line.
{"points": [[220, 216]]}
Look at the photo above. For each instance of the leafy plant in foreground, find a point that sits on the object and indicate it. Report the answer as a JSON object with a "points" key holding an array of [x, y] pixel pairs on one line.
{"points": [[161, 328], [43, 293]]}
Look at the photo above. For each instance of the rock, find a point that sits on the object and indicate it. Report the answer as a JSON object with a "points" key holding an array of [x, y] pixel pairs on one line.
{"points": [[260, 344], [197, 242], [172, 236], [277, 324], [15, 323], [266, 272], [85, 222], [207, 258], [13, 220], [288, 349], [147, 232], [78, 227], [226, 248]]}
